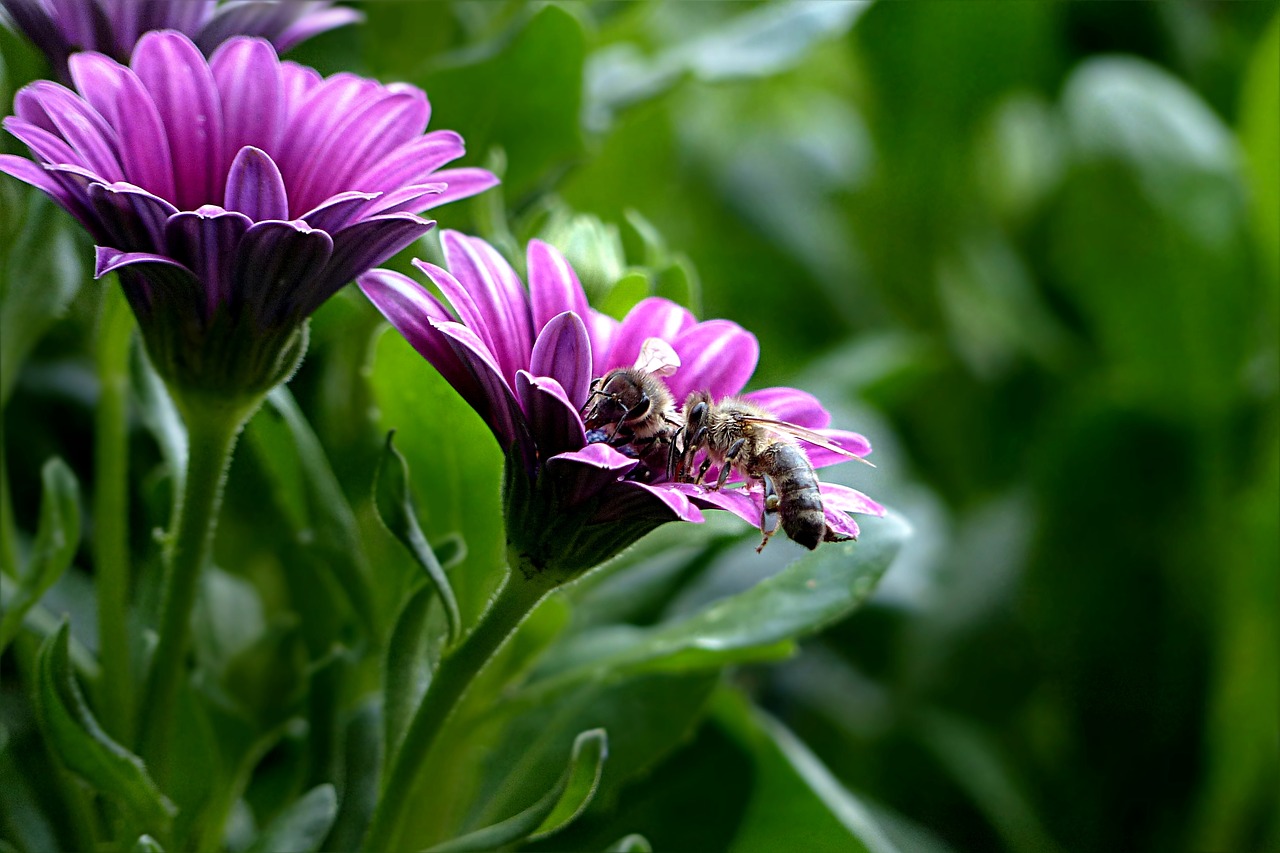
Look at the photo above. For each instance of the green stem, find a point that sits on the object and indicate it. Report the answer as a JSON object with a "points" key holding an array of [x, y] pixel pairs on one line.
{"points": [[514, 601], [111, 513], [212, 427], [8, 529]]}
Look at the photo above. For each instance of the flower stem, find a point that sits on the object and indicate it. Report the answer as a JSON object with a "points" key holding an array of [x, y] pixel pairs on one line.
{"points": [[212, 427], [110, 512], [515, 600]]}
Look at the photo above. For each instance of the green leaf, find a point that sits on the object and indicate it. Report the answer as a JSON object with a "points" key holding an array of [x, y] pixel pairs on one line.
{"points": [[302, 827], [1260, 136], [793, 789], [85, 748], [394, 502], [40, 271], [147, 844], [361, 769], [456, 465], [57, 537], [159, 414], [815, 591], [623, 295], [557, 808], [407, 671], [631, 844], [337, 537]]}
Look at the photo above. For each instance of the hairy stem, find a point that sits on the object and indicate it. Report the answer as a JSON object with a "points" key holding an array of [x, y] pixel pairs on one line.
{"points": [[212, 427], [111, 514], [515, 600]]}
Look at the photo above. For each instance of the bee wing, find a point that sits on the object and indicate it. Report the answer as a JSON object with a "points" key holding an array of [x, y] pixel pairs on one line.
{"points": [[806, 435], [657, 357]]}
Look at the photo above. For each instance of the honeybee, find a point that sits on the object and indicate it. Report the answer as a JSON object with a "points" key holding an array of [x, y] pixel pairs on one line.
{"points": [[631, 407], [741, 436]]}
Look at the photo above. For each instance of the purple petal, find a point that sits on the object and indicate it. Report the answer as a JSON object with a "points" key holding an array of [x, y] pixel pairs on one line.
{"points": [[315, 22], [462, 183], [489, 394], [584, 473], [844, 499], [247, 75], [414, 162], [460, 300], [134, 218], [297, 82], [553, 420], [745, 504], [107, 259], [405, 199], [206, 245], [75, 121], [276, 269], [335, 213], [99, 81], [791, 405], [650, 318], [46, 146], [553, 286], [604, 331], [850, 441], [255, 188], [362, 246], [716, 356], [182, 87], [563, 352], [322, 108], [144, 146], [24, 170], [629, 499], [366, 134], [498, 294], [840, 524]]}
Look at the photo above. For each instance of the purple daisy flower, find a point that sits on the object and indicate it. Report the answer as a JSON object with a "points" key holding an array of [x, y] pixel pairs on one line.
{"points": [[525, 360], [112, 27], [233, 196]]}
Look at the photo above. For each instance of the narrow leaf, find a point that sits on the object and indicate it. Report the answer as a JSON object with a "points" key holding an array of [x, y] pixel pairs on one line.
{"points": [[302, 827], [85, 748], [395, 507], [408, 668], [557, 808], [57, 537]]}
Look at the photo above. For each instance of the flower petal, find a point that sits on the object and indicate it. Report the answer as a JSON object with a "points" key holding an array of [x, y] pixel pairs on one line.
{"points": [[650, 318], [497, 293], [247, 74], [276, 268], [24, 170], [181, 85], [413, 199], [99, 80], [586, 472], [75, 121], [414, 162], [745, 504], [488, 392], [461, 183], [134, 218], [107, 260], [553, 420], [255, 188], [553, 286], [840, 524], [563, 352], [364, 245], [716, 356], [206, 245], [850, 441], [337, 212], [315, 22], [791, 405], [844, 499], [630, 499], [144, 145]]}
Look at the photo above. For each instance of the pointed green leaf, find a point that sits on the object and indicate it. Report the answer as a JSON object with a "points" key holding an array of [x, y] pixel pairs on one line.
{"points": [[302, 827], [408, 666], [557, 808], [394, 503], [85, 748], [57, 537]]}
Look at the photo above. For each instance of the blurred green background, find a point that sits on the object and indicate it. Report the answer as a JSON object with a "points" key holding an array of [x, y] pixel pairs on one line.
{"points": [[1032, 250]]}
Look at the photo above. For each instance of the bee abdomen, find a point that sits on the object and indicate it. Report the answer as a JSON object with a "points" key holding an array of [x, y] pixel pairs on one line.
{"points": [[799, 501]]}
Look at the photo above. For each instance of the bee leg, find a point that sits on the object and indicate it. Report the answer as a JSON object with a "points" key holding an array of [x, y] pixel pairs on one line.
{"points": [[689, 451], [729, 459], [702, 471], [771, 505]]}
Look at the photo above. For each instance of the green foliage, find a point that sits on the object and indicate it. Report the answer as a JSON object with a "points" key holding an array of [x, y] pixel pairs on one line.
{"points": [[1030, 251]]}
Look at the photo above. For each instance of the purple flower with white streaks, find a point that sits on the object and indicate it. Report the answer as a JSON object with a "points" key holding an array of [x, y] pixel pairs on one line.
{"points": [[233, 196], [525, 359], [112, 27]]}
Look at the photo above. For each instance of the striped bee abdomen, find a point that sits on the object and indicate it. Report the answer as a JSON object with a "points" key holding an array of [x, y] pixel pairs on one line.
{"points": [[799, 501]]}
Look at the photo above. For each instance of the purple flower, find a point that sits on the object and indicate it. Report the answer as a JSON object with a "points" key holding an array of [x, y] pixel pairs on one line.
{"points": [[63, 27], [233, 196], [525, 359]]}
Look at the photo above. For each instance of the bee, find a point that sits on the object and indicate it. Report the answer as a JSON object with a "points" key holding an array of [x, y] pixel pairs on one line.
{"points": [[632, 409], [738, 435]]}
